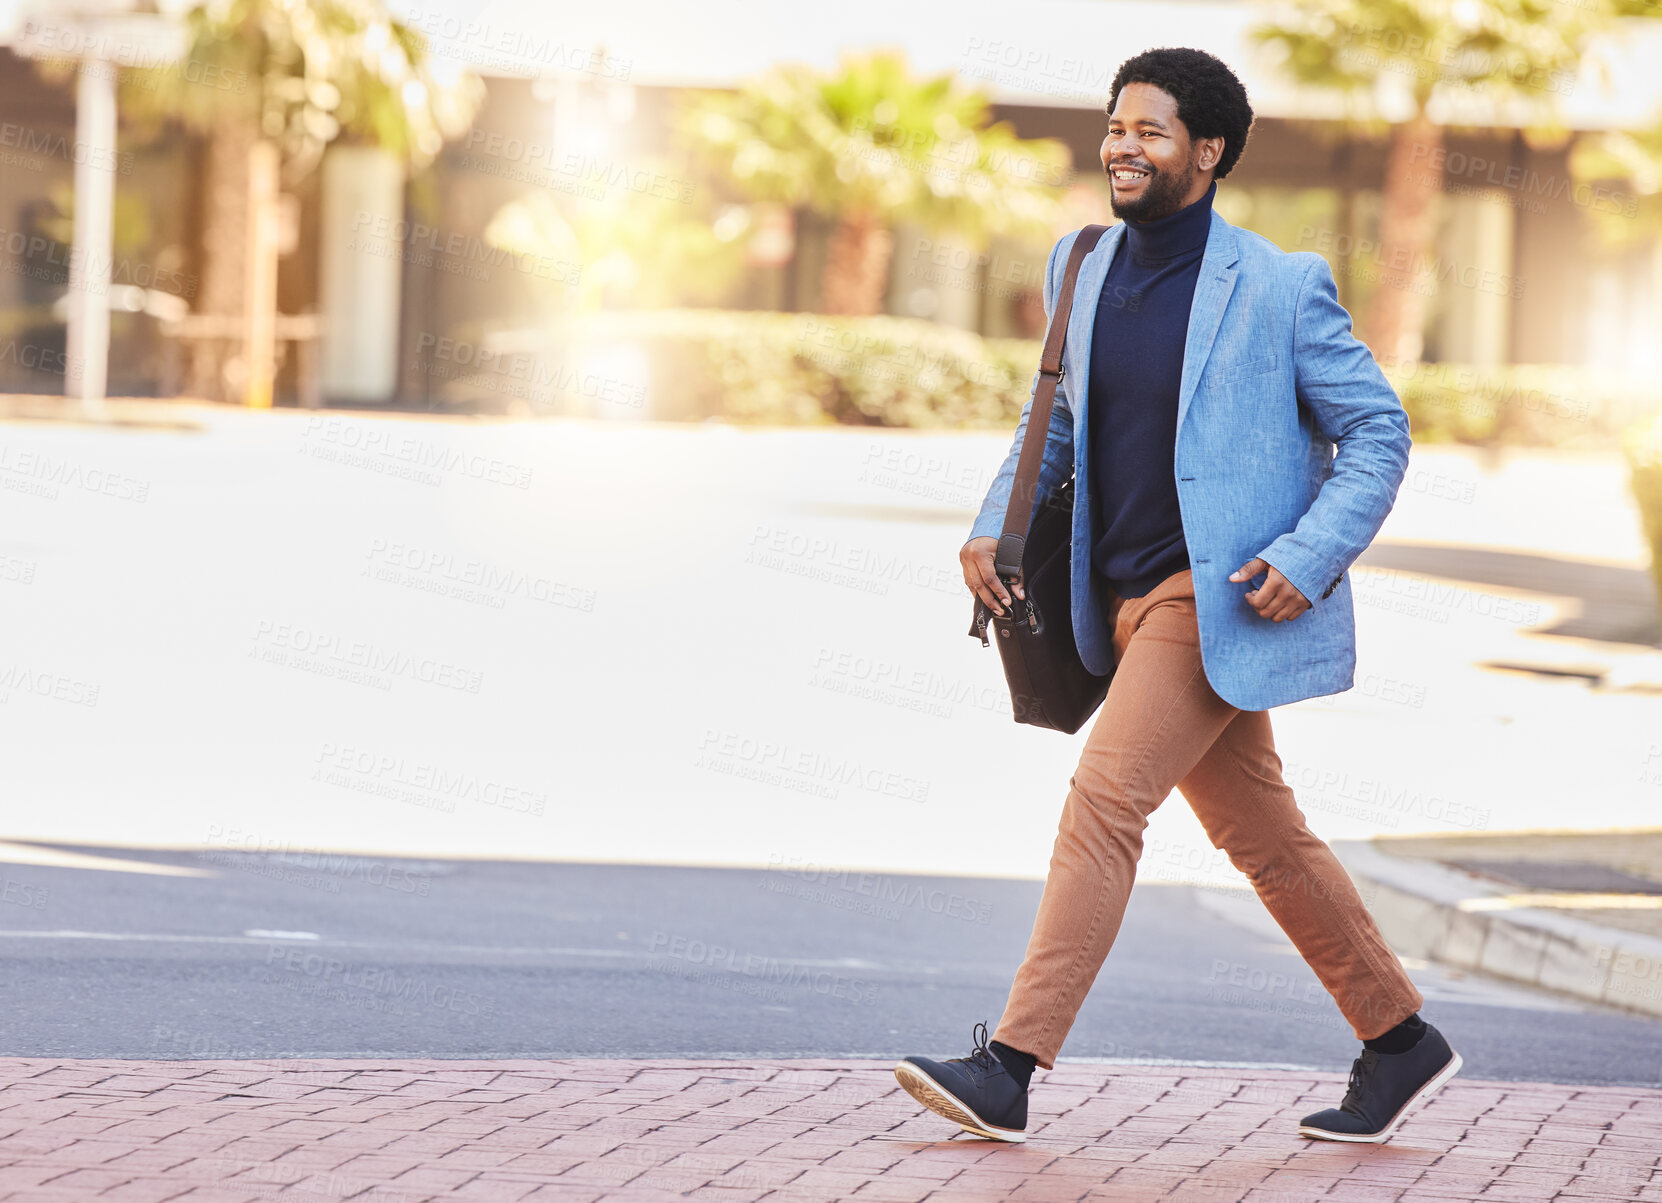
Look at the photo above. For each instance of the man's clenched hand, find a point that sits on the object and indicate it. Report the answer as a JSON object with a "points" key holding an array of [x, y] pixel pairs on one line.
{"points": [[1278, 600], [981, 573]]}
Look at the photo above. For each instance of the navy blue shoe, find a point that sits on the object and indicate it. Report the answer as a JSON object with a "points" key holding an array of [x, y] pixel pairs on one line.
{"points": [[1383, 1086], [974, 1092]]}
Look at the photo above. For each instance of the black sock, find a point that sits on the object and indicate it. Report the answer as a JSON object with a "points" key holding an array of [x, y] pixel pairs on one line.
{"points": [[1017, 1064], [1400, 1038]]}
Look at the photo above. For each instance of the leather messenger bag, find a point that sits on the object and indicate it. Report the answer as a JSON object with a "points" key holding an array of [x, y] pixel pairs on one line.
{"points": [[1049, 685]]}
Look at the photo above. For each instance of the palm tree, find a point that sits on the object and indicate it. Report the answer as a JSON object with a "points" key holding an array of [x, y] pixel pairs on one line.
{"points": [[871, 147], [1517, 55], [284, 79]]}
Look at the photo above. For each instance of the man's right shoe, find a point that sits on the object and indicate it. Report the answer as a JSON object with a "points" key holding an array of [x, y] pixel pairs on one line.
{"points": [[974, 1092], [1383, 1086]]}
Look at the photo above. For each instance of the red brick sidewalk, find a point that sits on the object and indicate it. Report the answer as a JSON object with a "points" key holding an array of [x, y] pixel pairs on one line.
{"points": [[398, 1132]]}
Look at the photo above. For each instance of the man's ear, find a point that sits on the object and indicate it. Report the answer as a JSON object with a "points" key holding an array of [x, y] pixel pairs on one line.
{"points": [[1210, 153]]}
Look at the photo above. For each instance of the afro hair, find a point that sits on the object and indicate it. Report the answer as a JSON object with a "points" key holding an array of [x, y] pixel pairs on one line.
{"points": [[1211, 102]]}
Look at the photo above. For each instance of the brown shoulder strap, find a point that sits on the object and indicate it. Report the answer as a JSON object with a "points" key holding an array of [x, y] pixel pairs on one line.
{"points": [[1018, 514]]}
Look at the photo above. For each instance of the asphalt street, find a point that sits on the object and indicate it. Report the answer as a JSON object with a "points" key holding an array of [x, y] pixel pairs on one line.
{"points": [[214, 953]]}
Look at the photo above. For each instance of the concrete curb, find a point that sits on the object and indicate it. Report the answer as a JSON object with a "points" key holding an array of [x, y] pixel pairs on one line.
{"points": [[1425, 910]]}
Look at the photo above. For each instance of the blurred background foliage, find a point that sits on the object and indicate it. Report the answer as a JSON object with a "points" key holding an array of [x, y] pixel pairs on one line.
{"points": [[873, 146]]}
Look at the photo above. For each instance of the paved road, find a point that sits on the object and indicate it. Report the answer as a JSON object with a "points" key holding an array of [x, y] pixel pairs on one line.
{"points": [[246, 956]]}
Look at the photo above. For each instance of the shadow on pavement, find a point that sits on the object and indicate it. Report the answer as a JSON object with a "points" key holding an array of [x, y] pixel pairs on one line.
{"points": [[1618, 605]]}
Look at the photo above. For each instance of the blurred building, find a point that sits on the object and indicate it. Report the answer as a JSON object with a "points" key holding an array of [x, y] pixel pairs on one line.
{"points": [[1527, 279]]}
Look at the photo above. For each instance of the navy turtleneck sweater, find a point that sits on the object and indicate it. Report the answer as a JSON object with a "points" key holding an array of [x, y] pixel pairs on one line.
{"points": [[1142, 322]]}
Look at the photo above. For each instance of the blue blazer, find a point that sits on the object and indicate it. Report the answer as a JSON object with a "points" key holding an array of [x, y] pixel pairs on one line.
{"points": [[1291, 445]]}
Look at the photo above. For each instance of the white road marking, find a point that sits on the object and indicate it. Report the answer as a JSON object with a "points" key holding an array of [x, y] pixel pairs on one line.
{"points": [[55, 858], [258, 937], [179, 938]]}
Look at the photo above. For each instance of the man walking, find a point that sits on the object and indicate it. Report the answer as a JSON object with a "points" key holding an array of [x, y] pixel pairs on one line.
{"points": [[1234, 448]]}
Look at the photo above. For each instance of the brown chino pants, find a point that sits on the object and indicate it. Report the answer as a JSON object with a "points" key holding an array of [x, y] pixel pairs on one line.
{"points": [[1162, 725]]}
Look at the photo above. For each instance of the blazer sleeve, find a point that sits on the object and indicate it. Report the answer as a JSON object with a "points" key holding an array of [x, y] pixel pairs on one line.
{"points": [[1057, 464], [1354, 406]]}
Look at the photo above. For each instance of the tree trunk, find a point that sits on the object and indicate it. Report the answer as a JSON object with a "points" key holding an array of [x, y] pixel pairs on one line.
{"points": [[857, 266], [1343, 168], [1407, 240], [214, 362]]}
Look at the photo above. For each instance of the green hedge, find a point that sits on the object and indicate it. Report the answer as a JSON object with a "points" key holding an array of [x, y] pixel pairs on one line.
{"points": [[1520, 405], [805, 369], [794, 368], [1643, 445]]}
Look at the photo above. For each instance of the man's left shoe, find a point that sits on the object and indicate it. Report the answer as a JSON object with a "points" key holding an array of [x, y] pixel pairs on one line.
{"points": [[1383, 1086]]}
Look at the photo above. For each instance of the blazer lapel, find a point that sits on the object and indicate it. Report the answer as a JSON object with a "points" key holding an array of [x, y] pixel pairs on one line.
{"points": [[1076, 355], [1212, 290]]}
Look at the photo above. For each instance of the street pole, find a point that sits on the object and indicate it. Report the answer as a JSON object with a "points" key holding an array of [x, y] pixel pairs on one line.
{"points": [[88, 339], [260, 291]]}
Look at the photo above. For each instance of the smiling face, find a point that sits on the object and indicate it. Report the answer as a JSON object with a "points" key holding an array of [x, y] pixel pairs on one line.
{"points": [[1153, 166]]}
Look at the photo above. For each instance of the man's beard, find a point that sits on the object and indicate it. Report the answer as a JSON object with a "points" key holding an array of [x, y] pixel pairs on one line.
{"points": [[1162, 196]]}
